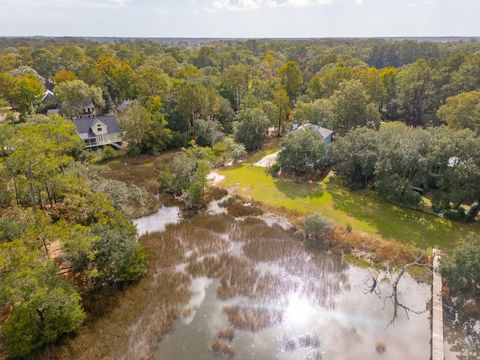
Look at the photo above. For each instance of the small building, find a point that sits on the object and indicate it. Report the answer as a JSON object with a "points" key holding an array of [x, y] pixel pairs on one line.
{"points": [[326, 134], [99, 131]]}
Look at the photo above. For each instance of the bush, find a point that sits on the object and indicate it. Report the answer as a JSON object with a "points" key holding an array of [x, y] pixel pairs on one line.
{"points": [[108, 153], [349, 228], [397, 190], [135, 266], [41, 320], [462, 267], [315, 227], [440, 202], [274, 169], [455, 214]]}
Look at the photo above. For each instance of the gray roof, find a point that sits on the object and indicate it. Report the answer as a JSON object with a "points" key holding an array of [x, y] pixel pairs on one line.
{"points": [[84, 125], [321, 130], [123, 106]]}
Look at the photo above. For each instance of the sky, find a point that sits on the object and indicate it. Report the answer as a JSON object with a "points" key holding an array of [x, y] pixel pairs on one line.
{"points": [[240, 18]]}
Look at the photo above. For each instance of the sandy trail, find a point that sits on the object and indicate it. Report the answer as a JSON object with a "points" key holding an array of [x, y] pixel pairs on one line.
{"points": [[268, 160]]}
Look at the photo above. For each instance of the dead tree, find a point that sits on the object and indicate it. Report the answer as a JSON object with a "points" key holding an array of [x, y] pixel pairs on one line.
{"points": [[373, 288]]}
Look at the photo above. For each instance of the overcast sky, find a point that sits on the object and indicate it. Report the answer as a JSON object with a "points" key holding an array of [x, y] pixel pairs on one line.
{"points": [[240, 18]]}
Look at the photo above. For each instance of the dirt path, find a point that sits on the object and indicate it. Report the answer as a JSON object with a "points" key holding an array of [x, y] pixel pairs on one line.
{"points": [[268, 160]]}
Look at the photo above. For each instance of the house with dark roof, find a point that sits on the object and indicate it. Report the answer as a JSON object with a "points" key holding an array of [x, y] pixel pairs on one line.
{"points": [[99, 131], [326, 134]]}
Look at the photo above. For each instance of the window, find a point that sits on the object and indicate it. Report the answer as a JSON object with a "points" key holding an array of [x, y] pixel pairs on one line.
{"points": [[99, 128]]}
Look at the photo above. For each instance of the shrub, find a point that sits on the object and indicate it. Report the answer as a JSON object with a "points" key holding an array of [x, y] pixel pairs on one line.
{"points": [[455, 214], [349, 228], [108, 153], [135, 266], [274, 169], [41, 320], [315, 227], [462, 267], [440, 202]]}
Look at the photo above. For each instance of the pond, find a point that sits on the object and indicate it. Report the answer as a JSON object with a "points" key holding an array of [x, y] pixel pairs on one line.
{"points": [[248, 288]]}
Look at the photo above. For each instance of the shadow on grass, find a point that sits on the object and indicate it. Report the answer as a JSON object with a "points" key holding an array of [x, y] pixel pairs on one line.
{"points": [[393, 222], [293, 190]]}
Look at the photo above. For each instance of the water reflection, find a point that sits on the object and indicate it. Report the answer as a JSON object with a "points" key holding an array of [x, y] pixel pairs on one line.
{"points": [[299, 310], [157, 221], [285, 302], [462, 335]]}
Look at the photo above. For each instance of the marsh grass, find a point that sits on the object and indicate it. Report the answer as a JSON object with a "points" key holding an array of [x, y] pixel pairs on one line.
{"points": [[237, 208], [142, 171], [382, 252], [215, 193], [226, 334], [222, 349], [252, 319], [381, 347], [129, 322]]}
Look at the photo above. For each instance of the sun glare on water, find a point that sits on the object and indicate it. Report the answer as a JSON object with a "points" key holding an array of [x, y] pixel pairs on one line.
{"points": [[299, 310]]}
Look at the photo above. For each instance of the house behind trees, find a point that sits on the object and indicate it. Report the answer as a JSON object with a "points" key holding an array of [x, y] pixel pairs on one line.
{"points": [[326, 134]]}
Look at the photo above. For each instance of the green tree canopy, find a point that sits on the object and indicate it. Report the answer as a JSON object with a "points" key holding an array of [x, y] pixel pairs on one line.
{"points": [[462, 111], [252, 128]]}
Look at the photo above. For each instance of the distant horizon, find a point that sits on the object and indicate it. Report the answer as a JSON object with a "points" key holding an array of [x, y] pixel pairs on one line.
{"points": [[247, 37], [242, 19]]}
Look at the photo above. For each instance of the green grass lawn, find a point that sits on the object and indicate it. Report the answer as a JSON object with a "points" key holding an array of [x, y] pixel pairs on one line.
{"points": [[363, 210]]}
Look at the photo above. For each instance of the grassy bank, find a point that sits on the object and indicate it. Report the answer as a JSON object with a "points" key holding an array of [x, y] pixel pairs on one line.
{"points": [[363, 210]]}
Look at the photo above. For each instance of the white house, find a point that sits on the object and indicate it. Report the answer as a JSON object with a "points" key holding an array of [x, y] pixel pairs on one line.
{"points": [[99, 131]]}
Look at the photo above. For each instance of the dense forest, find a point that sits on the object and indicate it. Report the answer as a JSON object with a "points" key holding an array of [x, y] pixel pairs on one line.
{"points": [[405, 114]]}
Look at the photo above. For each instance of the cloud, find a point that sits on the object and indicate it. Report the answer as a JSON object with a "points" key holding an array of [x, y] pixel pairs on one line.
{"points": [[243, 5], [66, 3]]}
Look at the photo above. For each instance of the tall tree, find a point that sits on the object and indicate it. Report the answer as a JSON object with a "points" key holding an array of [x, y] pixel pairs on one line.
{"points": [[291, 78], [282, 107], [351, 108], [415, 90]]}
